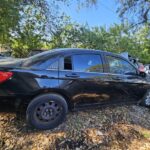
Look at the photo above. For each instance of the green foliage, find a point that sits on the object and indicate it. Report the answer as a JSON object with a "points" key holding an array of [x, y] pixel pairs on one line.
{"points": [[33, 24], [27, 24], [143, 38], [9, 18], [29, 32], [117, 38], [137, 12]]}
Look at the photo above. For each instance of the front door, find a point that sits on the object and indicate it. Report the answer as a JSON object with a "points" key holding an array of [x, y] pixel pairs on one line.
{"points": [[125, 80]]}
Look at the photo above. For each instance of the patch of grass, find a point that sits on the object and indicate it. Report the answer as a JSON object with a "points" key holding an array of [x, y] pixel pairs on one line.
{"points": [[146, 135]]}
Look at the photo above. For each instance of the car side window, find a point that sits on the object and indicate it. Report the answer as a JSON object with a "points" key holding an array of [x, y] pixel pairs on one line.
{"points": [[87, 63], [120, 66], [54, 65]]}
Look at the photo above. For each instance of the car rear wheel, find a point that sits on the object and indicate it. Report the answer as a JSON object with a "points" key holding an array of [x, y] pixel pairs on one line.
{"points": [[46, 111]]}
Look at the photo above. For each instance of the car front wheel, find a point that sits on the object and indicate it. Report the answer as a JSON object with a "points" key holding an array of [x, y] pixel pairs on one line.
{"points": [[46, 111], [146, 100]]}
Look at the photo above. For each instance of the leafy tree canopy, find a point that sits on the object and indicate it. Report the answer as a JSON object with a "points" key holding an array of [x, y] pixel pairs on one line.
{"points": [[31, 24], [9, 18], [117, 38], [137, 12]]}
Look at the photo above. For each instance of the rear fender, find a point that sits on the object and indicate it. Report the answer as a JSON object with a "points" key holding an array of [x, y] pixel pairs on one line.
{"points": [[25, 102]]}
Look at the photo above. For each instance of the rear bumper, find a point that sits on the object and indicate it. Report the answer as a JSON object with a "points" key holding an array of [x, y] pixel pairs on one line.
{"points": [[15, 100]]}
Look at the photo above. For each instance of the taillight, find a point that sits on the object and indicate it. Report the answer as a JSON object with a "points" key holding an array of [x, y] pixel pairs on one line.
{"points": [[5, 76]]}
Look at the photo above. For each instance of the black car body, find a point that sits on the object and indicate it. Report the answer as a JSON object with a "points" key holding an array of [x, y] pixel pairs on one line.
{"points": [[83, 78]]}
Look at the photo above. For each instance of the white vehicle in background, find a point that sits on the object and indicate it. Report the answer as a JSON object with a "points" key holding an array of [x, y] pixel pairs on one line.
{"points": [[147, 69]]}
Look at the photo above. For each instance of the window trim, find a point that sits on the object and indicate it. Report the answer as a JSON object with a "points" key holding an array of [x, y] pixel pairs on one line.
{"points": [[117, 57]]}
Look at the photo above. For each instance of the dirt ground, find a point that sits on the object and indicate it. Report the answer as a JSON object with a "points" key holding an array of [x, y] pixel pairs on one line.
{"points": [[111, 128]]}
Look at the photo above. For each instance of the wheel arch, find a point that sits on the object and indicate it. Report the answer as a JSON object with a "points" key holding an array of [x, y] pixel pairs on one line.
{"points": [[65, 95]]}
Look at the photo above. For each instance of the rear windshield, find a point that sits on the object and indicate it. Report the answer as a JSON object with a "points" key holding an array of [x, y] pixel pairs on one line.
{"points": [[37, 59]]}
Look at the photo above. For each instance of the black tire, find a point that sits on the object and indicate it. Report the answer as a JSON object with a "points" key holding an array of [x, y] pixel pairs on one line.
{"points": [[46, 111], [146, 99]]}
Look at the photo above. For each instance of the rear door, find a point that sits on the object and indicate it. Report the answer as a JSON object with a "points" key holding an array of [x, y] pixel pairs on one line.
{"points": [[83, 77]]}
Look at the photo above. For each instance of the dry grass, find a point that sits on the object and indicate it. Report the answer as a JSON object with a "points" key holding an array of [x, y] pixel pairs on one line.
{"points": [[125, 127]]}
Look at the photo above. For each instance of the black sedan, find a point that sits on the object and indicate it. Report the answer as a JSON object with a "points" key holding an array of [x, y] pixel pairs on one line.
{"points": [[53, 82]]}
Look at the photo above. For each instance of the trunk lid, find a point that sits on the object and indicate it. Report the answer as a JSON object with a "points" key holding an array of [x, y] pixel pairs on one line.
{"points": [[11, 63]]}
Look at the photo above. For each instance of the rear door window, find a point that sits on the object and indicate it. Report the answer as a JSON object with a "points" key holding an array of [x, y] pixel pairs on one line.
{"points": [[87, 63]]}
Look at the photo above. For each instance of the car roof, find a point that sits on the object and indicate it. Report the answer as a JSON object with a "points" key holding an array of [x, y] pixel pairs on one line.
{"points": [[68, 51], [81, 50], [75, 50]]}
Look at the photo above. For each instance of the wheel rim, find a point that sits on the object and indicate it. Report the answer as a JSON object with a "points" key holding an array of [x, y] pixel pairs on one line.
{"points": [[147, 100], [48, 111]]}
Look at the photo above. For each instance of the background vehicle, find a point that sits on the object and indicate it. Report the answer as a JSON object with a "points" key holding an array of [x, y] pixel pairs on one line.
{"points": [[34, 52], [7, 53], [53, 82], [147, 69], [135, 62]]}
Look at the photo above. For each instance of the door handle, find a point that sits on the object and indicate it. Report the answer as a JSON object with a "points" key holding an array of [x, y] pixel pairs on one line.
{"points": [[72, 75]]}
